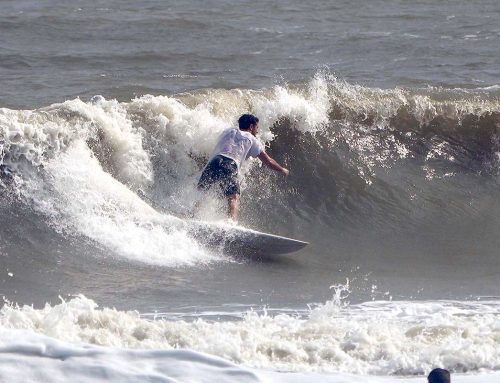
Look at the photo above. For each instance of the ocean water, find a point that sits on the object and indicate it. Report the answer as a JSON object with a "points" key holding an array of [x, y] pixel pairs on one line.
{"points": [[387, 115]]}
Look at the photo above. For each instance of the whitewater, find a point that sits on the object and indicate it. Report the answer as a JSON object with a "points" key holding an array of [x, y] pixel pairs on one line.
{"points": [[376, 338]]}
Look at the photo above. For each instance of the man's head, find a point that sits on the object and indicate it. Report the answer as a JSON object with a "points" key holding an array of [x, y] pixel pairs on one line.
{"points": [[439, 375], [249, 122]]}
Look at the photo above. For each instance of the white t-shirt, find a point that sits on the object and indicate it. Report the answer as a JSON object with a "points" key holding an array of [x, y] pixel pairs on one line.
{"points": [[237, 145]]}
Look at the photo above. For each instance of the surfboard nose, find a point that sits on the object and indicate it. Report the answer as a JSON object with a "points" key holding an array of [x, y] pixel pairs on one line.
{"points": [[240, 241]]}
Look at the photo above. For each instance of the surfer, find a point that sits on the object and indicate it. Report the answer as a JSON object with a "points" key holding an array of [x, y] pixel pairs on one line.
{"points": [[235, 146]]}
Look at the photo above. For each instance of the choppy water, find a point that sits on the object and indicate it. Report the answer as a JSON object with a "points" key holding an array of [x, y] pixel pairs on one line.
{"points": [[387, 115], [56, 50]]}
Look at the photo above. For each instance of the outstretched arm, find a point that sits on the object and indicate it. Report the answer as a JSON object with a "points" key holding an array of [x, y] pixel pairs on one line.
{"points": [[268, 161]]}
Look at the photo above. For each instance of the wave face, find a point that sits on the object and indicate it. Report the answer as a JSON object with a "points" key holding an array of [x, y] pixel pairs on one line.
{"points": [[383, 182]]}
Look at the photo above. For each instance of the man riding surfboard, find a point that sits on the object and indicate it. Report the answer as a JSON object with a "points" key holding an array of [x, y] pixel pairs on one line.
{"points": [[233, 147]]}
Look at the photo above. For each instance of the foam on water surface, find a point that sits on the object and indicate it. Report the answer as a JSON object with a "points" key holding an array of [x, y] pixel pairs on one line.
{"points": [[376, 338], [31, 358]]}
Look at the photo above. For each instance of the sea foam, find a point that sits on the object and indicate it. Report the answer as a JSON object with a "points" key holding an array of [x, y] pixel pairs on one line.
{"points": [[375, 338], [28, 357]]}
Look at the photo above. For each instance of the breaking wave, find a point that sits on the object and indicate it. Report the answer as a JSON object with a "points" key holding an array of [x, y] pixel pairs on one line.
{"points": [[119, 173]]}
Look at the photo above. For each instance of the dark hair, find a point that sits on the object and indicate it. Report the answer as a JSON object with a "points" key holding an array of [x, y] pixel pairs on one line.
{"points": [[246, 120], [439, 375]]}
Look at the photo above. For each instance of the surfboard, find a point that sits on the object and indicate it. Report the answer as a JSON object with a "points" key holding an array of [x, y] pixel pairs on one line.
{"points": [[240, 241]]}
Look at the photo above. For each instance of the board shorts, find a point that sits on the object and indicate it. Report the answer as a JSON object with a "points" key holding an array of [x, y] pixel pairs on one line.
{"points": [[223, 172]]}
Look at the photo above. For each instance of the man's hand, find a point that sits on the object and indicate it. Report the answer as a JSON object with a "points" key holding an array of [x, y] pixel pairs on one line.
{"points": [[264, 157]]}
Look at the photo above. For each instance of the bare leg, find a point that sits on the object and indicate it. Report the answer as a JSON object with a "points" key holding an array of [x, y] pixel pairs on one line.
{"points": [[194, 211], [234, 206]]}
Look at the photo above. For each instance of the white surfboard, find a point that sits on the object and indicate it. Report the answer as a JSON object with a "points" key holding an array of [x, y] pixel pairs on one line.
{"points": [[237, 240]]}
